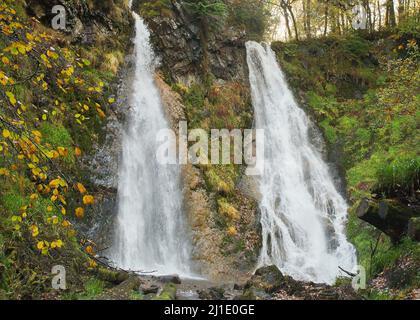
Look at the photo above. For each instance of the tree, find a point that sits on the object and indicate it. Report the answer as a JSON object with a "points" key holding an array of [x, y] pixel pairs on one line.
{"points": [[207, 11], [390, 20]]}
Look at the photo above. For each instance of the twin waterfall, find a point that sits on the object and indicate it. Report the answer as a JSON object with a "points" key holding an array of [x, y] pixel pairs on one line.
{"points": [[150, 231], [302, 213]]}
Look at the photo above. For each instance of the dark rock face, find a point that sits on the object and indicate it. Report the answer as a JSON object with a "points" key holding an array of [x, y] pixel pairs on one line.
{"points": [[84, 19], [177, 41], [102, 167]]}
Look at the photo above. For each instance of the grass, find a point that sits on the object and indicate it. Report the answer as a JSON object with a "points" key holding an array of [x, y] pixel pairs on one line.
{"points": [[93, 288], [365, 237]]}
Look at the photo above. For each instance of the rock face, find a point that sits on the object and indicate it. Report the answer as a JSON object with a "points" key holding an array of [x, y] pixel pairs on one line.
{"points": [[207, 240], [390, 217], [177, 41], [86, 21], [103, 167]]}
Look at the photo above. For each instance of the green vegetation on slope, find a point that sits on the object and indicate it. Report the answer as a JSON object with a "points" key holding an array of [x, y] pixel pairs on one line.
{"points": [[54, 99], [365, 95]]}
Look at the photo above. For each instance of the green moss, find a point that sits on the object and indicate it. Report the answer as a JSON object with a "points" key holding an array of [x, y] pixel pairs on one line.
{"points": [[12, 201], [57, 135], [168, 293]]}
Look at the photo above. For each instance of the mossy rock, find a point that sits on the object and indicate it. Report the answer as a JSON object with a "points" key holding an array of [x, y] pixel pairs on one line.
{"points": [[168, 293], [115, 277]]}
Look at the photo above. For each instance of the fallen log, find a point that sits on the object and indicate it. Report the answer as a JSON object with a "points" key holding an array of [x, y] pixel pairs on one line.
{"points": [[389, 216]]}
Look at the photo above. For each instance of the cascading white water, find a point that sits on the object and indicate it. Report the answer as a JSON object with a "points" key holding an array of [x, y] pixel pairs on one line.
{"points": [[150, 232], [303, 215]]}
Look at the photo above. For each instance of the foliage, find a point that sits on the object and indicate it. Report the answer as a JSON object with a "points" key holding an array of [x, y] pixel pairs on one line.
{"points": [[155, 8], [210, 9], [53, 100], [93, 288], [251, 15]]}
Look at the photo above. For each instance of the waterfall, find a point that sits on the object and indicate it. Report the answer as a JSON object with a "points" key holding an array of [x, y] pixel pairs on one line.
{"points": [[303, 215], [150, 232]]}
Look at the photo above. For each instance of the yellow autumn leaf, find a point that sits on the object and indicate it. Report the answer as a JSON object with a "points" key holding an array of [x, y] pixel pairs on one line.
{"points": [[66, 224], [59, 243], [33, 196], [101, 113], [92, 263], [35, 231], [81, 188], [80, 212], [11, 97], [77, 152], [88, 199], [232, 231], [89, 250], [63, 151], [6, 133]]}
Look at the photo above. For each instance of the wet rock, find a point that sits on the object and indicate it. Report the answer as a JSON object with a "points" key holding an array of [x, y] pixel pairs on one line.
{"points": [[150, 289], [414, 228], [170, 279], [269, 283], [249, 187], [238, 286], [215, 293]]}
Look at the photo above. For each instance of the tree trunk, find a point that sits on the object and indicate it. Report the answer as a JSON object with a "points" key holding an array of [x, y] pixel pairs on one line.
{"points": [[286, 18], [369, 14], [379, 16], [326, 20], [292, 15], [390, 14], [401, 11], [308, 18]]}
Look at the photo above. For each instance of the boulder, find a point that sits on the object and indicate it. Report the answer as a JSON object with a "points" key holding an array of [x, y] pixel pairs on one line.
{"points": [[215, 293], [170, 279], [266, 279], [414, 228], [168, 293]]}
